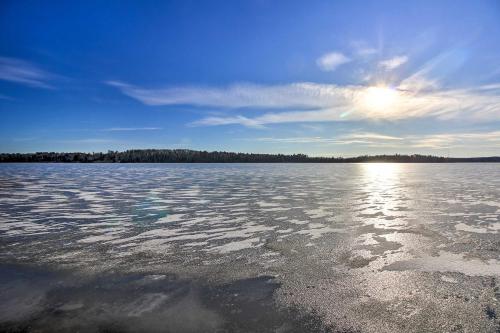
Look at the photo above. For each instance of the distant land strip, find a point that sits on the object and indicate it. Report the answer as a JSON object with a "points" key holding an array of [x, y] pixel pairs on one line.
{"points": [[195, 156]]}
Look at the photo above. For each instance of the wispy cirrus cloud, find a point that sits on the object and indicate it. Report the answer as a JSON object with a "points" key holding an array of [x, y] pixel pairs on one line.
{"points": [[350, 138], [330, 61], [369, 139], [371, 136], [24, 73], [131, 129], [447, 140], [363, 49], [393, 63], [359, 103], [430, 76], [422, 94], [313, 102], [273, 118], [88, 140], [298, 139], [244, 95]]}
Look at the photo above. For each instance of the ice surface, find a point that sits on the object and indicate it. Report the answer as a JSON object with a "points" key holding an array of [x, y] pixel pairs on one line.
{"points": [[419, 243]]}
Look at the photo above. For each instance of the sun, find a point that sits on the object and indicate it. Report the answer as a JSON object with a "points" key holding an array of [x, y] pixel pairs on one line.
{"points": [[380, 98]]}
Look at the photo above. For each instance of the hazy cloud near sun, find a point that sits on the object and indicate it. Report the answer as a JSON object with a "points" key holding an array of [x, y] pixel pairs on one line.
{"points": [[420, 94], [363, 49], [330, 61], [311, 102], [393, 63]]}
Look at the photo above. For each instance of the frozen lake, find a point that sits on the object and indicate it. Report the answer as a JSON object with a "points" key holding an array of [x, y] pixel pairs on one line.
{"points": [[250, 247]]}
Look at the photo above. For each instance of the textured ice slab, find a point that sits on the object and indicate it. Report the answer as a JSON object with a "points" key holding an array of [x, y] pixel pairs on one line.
{"points": [[419, 243]]}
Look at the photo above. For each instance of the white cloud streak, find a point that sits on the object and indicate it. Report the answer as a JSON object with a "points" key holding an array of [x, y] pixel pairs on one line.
{"points": [[87, 141], [419, 95], [129, 129], [363, 49], [448, 140], [351, 103], [430, 141], [366, 52], [313, 102], [430, 75], [330, 61], [25, 73], [294, 95], [351, 138], [393, 63], [372, 136]]}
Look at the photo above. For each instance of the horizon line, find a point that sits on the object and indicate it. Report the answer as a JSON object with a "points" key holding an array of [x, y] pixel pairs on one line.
{"points": [[386, 155]]}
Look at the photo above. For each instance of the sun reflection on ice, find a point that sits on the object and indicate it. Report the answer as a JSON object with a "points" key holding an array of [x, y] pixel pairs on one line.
{"points": [[384, 193], [381, 170], [381, 177]]}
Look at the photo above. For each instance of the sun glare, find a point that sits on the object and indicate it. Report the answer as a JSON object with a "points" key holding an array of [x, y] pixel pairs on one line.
{"points": [[380, 99]]}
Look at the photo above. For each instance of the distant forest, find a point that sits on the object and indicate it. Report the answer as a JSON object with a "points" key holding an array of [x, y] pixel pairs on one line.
{"points": [[194, 156]]}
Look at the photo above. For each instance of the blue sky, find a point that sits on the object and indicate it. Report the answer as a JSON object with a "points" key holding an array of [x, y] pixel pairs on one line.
{"points": [[317, 77]]}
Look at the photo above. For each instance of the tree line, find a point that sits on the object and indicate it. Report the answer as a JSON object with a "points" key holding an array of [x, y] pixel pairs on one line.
{"points": [[194, 156]]}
